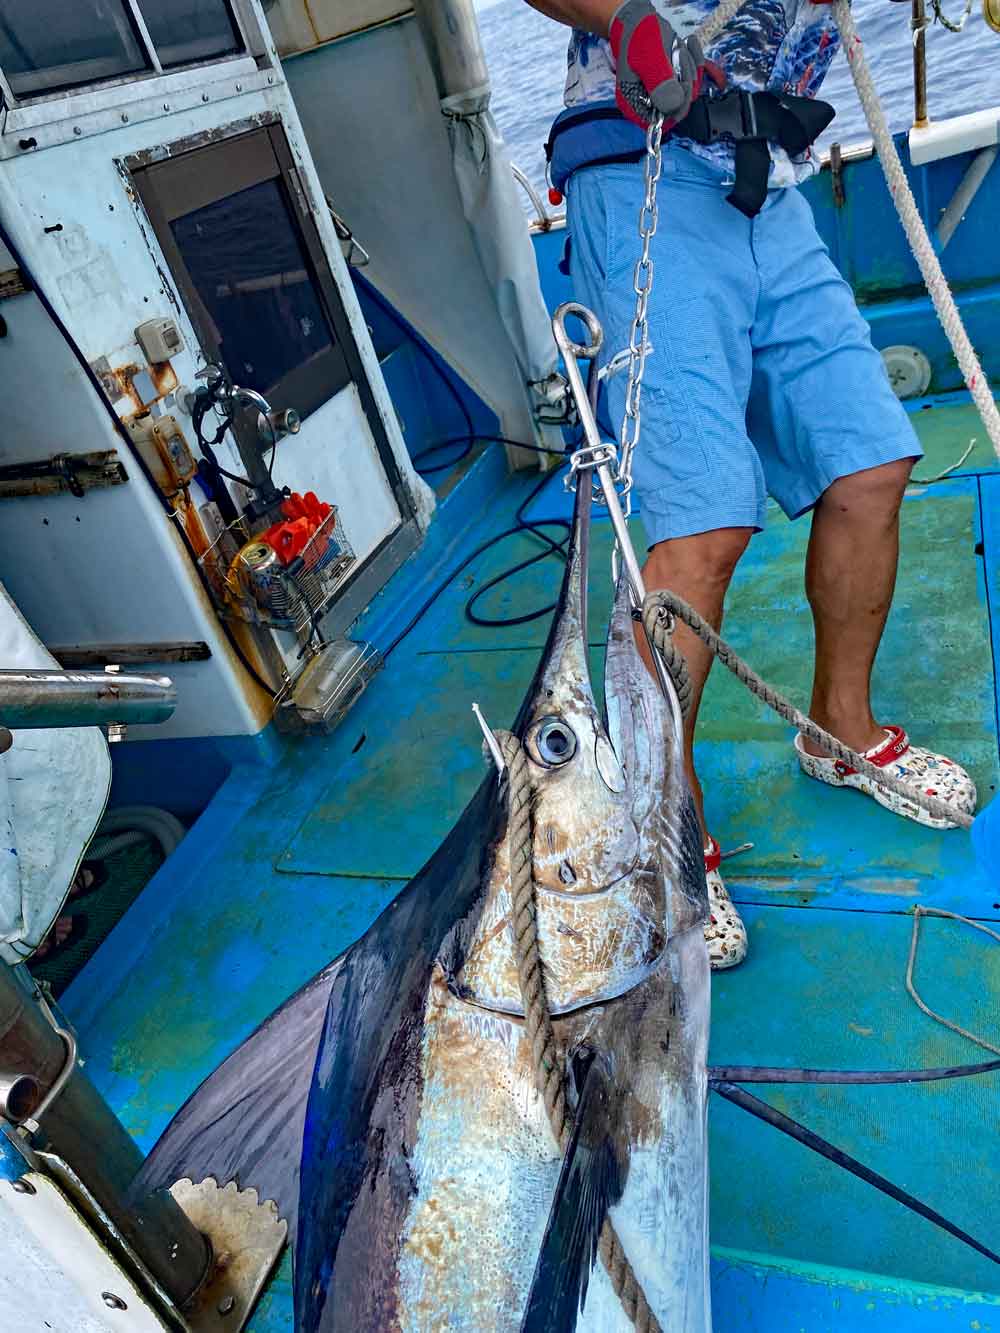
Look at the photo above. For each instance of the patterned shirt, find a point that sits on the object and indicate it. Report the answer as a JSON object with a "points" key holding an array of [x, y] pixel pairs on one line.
{"points": [[770, 45]]}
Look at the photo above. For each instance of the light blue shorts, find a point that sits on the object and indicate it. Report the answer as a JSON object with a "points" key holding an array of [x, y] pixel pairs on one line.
{"points": [[762, 377]]}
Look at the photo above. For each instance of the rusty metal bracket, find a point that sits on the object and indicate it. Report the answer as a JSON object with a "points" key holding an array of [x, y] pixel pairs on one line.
{"points": [[837, 175], [96, 655], [72, 474], [247, 1237], [12, 283]]}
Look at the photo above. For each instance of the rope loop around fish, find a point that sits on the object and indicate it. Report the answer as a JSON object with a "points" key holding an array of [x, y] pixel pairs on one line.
{"points": [[658, 622], [663, 602], [546, 1053]]}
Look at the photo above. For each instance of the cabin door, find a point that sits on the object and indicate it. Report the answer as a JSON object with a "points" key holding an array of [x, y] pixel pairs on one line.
{"points": [[238, 234]]}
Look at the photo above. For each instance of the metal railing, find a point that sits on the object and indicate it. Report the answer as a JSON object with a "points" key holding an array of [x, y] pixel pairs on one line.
{"points": [[544, 221], [31, 699]]}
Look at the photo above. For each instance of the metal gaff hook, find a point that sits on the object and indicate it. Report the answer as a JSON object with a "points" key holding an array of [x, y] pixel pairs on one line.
{"points": [[601, 456]]}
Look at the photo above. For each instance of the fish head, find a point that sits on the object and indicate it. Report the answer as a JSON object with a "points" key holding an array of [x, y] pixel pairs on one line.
{"points": [[585, 835], [610, 796], [616, 854]]}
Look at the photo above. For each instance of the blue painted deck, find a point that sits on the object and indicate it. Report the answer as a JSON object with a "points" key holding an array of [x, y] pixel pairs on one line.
{"points": [[304, 844], [295, 858]]}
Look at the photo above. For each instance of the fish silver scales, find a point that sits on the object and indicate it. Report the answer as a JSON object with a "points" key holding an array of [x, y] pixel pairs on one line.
{"points": [[431, 1193]]}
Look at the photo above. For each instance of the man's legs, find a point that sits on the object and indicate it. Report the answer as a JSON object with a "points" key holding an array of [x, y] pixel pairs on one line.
{"points": [[850, 577], [699, 569]]}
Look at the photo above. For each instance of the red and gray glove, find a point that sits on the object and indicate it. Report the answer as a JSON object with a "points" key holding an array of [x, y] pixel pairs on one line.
{"points": [[657, 70]]}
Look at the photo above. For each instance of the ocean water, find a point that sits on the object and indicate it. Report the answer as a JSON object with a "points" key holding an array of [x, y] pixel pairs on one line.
{"points": [[527, 58]]}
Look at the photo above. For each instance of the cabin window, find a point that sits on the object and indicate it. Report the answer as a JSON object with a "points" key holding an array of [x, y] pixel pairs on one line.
{"points": [[50, 46], [251, 267], [185, 31]]}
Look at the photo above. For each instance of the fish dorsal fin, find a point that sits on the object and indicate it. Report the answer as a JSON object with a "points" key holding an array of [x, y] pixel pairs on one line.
{"points": [[364, 1103], [592, 1179], [244, 1123]]}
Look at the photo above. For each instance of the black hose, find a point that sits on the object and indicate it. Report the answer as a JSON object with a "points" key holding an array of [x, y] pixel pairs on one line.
{"points": [[772, 1116], [521, 525]]}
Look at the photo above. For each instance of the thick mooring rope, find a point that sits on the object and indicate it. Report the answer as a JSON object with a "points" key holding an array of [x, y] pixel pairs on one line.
{"points": [[658, 623], [913, 225], [663, 603], [548, 1058]]}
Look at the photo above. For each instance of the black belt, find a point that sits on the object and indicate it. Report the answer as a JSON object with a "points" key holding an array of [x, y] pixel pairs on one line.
{"points": [[754, 120]]}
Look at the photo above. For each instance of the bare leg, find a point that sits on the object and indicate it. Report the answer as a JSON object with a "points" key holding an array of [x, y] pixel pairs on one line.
{"points": [[698, 569], [850, 577]]}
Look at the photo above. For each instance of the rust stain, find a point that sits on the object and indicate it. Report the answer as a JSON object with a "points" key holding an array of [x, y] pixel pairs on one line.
{"points": [[164, 377], [120, 386]]}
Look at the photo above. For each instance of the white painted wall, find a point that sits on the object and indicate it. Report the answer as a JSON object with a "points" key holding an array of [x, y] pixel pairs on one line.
{"points": [[106, 568], [299, 24], [369, 107], [109, 567]]}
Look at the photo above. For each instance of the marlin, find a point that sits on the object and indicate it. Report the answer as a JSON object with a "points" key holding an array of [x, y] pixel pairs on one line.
{"points": [[390, 1107]]}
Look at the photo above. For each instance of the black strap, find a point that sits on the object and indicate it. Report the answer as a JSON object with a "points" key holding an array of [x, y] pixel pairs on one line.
{"points": [[754, 120], [782, 1074], [753, 169], [772, 1116]]}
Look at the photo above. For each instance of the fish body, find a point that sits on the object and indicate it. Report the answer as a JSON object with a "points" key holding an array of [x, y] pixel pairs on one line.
{"points": [[432, 1193]]}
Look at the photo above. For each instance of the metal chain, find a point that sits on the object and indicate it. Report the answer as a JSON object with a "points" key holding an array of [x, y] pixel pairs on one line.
{"points": [[941, 17], [643, 276], [642, 282]]}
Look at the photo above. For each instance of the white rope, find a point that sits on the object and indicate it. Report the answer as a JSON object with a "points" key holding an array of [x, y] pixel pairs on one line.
{"points": [[717, 20], [946, 472], [919, 912], [913, 225]]}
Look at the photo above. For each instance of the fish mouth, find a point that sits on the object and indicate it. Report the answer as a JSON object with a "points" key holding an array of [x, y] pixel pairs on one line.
{"points": [[562, 686]]}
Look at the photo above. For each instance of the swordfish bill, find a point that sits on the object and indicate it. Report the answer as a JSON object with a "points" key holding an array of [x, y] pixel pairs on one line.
{"points": [[390, 1107]]}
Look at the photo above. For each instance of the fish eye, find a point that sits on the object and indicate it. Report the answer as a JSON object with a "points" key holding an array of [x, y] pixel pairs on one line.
{"points": [[555, 742]]}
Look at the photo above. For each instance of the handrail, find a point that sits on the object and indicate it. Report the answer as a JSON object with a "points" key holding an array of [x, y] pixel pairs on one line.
{"points": [[544, 221], [52, 698], [918, 23]]}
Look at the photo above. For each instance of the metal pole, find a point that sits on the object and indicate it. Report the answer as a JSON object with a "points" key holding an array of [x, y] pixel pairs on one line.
{"points": [[919, 25], [83, 698], [455, 48], [600, 457], [72, 1123]]}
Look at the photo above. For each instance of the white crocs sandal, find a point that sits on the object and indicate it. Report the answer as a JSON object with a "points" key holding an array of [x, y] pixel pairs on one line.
{"points": [[926, 772], [725, 933]]}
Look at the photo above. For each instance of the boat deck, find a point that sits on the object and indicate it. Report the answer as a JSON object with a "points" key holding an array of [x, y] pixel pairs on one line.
{"points": [[293, 860]]}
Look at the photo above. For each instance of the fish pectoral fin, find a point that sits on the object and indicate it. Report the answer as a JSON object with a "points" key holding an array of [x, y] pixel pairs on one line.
{"points": [[591, 1180]]}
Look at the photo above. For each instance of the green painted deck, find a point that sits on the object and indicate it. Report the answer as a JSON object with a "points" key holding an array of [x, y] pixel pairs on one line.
{"points": [[291, 864]]}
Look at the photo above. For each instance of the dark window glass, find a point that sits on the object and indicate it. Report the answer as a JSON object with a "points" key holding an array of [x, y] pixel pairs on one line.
{"points": [[250, 270], [184, 31], [47, 45]]}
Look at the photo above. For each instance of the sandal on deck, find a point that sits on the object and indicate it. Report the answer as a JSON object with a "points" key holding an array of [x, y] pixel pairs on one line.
{"points": [[725, 933], [926, 772]]}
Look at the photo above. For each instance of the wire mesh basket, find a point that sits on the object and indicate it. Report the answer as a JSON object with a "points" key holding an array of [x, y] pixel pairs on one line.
{"points": [[254, 584]]}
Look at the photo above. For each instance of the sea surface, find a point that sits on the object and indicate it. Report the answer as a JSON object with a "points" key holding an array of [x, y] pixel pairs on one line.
{"points": [[527, 58]]}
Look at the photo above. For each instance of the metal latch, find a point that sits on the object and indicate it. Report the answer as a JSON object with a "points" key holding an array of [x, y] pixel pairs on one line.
{"points": [[72, 474]]}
